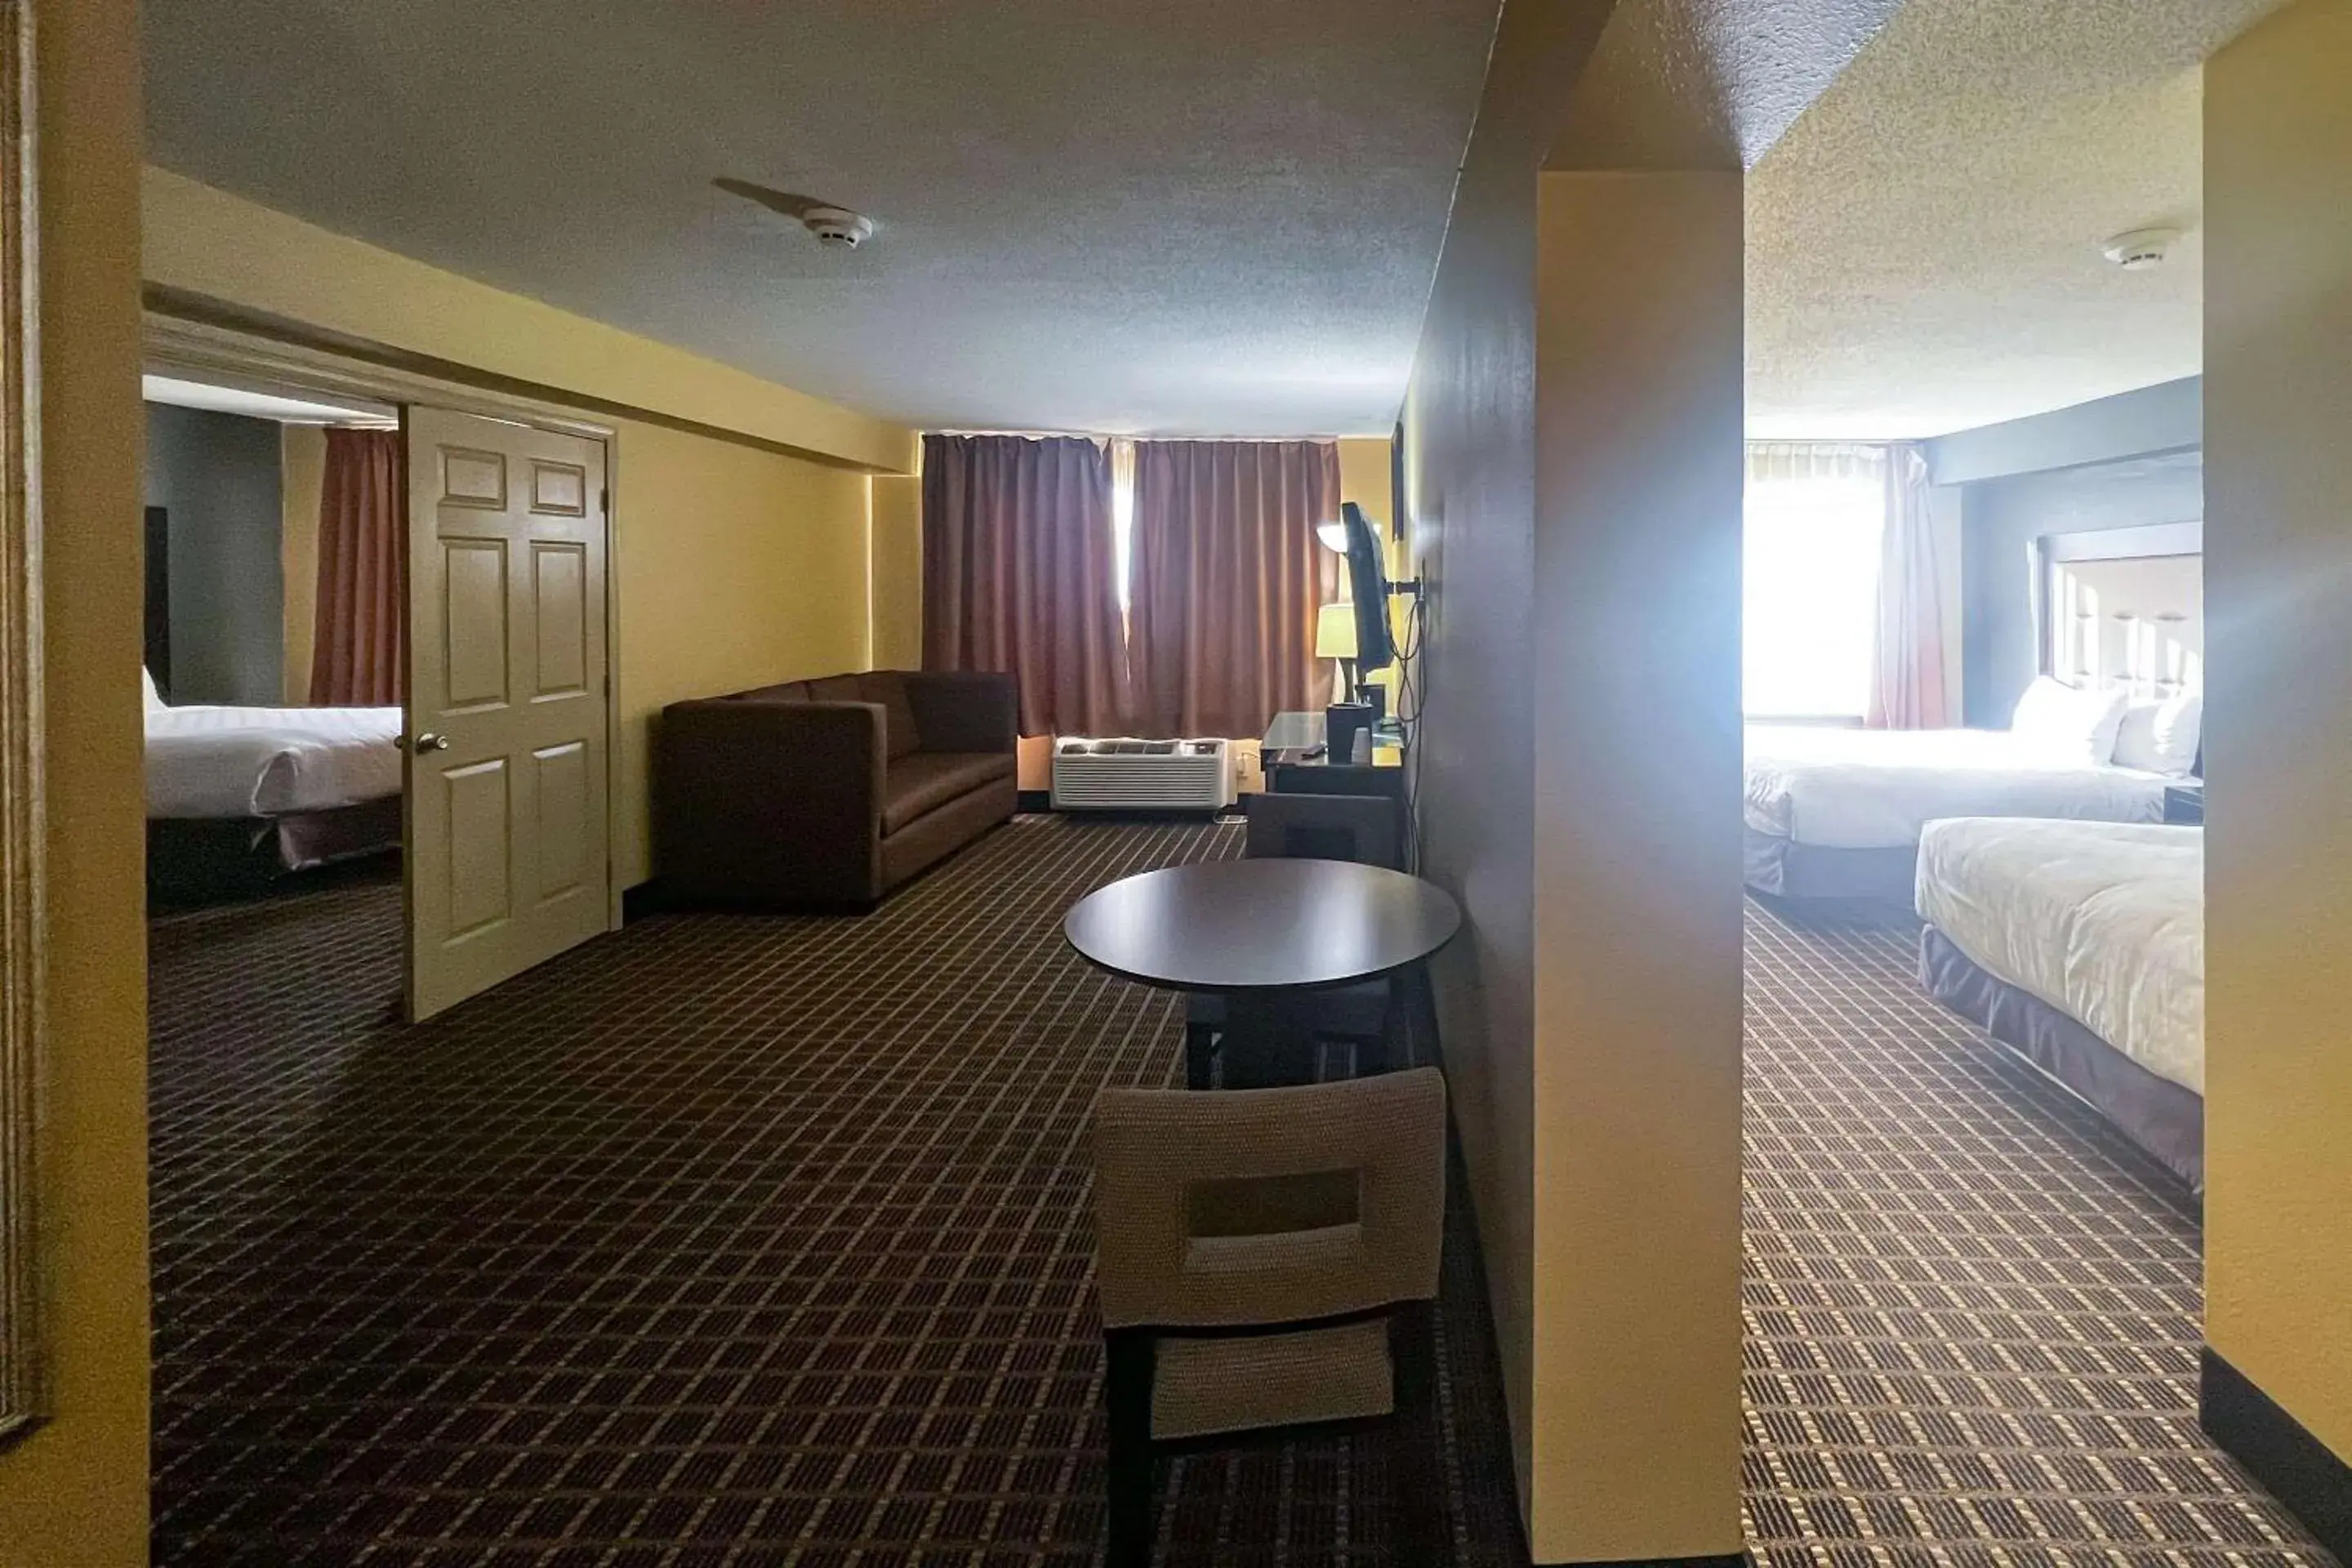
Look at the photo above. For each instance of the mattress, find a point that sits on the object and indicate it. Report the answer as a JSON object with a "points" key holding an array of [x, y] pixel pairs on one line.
{"points": [[2104, 922], [1874, 789], [269, 762]]}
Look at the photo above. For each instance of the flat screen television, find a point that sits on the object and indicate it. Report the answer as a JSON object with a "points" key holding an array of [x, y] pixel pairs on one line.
{"points": [[1369, 587]]}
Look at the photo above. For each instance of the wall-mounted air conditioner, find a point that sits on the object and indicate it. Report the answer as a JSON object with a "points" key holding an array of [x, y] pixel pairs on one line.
{"points": [[1122, 774]]}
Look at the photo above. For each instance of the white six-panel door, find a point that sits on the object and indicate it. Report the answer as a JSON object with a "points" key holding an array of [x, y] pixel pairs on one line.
{"points": [[506, 835]]}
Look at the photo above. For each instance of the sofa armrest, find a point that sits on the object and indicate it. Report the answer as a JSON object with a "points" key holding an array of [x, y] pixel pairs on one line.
{"points": [[965, 711], [770, 801]]}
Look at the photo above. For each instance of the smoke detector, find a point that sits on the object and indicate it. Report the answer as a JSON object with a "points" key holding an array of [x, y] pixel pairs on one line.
{"points": [[838, 227], [2142, 249]]}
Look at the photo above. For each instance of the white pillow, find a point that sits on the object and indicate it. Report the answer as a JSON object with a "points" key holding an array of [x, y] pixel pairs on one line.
{"points": [[2162, 737], [2062, 724], [155, 703]]}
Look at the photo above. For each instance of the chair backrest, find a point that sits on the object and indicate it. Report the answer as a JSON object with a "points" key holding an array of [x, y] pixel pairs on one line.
{"points": [[1324, 827], [1175, 1171]]}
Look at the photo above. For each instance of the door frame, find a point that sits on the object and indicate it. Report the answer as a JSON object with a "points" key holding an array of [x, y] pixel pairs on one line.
{"points": [[173, 346]]}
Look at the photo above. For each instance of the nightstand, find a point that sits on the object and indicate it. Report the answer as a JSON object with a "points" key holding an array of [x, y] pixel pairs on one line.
{"points": [[2185, 802]]}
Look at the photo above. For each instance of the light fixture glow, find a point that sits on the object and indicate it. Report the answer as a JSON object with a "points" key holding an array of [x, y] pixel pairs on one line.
{"points": [[1334, 535]]}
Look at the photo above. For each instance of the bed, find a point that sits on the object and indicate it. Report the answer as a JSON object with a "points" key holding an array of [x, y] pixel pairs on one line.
{"points": [[2081, 946], [1837, 813], [236, 796]]}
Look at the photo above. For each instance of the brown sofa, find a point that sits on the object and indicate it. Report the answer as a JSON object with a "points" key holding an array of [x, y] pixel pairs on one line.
{"points": [[829, 793]]}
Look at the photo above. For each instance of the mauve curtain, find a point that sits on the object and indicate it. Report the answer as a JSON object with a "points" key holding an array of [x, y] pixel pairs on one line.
{"points": [[359, 658], [1019, 573], [1227, 578], [1907, 679]]}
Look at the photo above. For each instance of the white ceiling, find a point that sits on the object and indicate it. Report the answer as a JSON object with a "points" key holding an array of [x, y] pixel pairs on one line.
{"points": [[1924, 242], [1708, 84], [1214, 217]]}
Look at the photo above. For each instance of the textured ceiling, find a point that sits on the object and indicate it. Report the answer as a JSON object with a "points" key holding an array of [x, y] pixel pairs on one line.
{"points": [[1923, 241], [1708, 84], [1214, 217]]}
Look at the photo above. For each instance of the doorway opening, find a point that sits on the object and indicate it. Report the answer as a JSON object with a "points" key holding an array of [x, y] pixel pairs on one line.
{"points": [[379, 638]]}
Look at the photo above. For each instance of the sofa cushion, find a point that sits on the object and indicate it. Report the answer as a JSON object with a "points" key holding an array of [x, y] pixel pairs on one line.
{"points": [[836, 689], [783, 691], [925, 781], [888, 688]]}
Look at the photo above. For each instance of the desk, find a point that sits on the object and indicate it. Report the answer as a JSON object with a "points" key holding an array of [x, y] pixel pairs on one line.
{"points": [[1292, 735], [1290, 771], [1263, 934]]}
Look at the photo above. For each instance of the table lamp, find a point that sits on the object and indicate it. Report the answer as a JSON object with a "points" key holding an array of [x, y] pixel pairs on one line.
{"points": [[1334, 638]]}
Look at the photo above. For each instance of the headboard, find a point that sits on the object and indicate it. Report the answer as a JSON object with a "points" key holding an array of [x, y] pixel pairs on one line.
{"points": [[2122, 606]]}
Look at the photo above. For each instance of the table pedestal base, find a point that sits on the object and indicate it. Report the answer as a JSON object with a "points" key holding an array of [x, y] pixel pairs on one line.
{"points": [[1269, 1041]]}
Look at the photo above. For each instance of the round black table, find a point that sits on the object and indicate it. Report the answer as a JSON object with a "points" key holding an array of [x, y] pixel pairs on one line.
{"points": [[1263, 933]]}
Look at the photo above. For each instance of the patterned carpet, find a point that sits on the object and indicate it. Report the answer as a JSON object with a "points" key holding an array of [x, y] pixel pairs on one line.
{"points": [[754, 1241], [727, 1240], [1971, 1310]]}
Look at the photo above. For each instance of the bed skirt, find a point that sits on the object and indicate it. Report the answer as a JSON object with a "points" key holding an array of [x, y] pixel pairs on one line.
{"points": [[2155, 1114], [1788, 869], [199, 860]]}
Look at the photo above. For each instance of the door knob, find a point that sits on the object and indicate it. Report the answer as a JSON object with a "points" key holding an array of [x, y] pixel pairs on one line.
{"points": [[427, 740]]}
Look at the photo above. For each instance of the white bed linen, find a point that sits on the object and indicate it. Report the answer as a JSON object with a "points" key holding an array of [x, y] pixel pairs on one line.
{"points": [[1874, 789], [2104, 922], [268, 761]]}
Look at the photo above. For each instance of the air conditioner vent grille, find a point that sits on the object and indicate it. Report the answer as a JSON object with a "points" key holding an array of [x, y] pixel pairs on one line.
{"points": [[1121, 774]]}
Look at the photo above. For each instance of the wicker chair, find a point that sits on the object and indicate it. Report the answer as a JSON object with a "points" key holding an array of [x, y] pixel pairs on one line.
{"points": [[1364, 828], [1267, 1261]]}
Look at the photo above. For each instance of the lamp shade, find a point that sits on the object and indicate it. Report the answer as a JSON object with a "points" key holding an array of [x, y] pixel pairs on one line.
{"points": [[1335, 632]]}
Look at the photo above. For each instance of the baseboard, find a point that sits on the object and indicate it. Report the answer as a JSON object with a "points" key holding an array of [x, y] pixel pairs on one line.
{"points": [[1034, 800], [2295, 1467], [641, 900], [1728, 1560]]}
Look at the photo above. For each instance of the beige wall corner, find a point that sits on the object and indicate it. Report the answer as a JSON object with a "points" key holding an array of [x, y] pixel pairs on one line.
{"points": [[1469, 461], [74, 1493], [736, 568], [302, 470], [220, 247], [897, 571], [1639, 408], [2278, 875]]}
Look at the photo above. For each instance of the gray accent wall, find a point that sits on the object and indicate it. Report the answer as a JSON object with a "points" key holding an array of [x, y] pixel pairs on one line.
{"points": [[218, 477], [2002, 518], [2169, 417]]}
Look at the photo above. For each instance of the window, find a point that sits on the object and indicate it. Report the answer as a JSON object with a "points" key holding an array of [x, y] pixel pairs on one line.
{"points": [[1810, 596], [1122, 519]]}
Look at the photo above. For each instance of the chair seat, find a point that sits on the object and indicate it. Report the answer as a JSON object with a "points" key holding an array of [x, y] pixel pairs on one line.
{"points": [[922, 782], [1356, 1012], [1202, 1387]]}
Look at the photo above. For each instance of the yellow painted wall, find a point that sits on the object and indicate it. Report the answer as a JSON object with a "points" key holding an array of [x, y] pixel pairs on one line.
{"points": [[2278, 871], [735, 565], [74, 1493], [222, 248], [736, 568], [1364, 479], [302, 470], [1639, 464], [1572, 456], [1364, 476], [897, 584]]}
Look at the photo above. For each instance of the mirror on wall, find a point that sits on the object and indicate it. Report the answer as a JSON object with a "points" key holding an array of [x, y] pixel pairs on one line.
{"points": [[21, 818]]}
